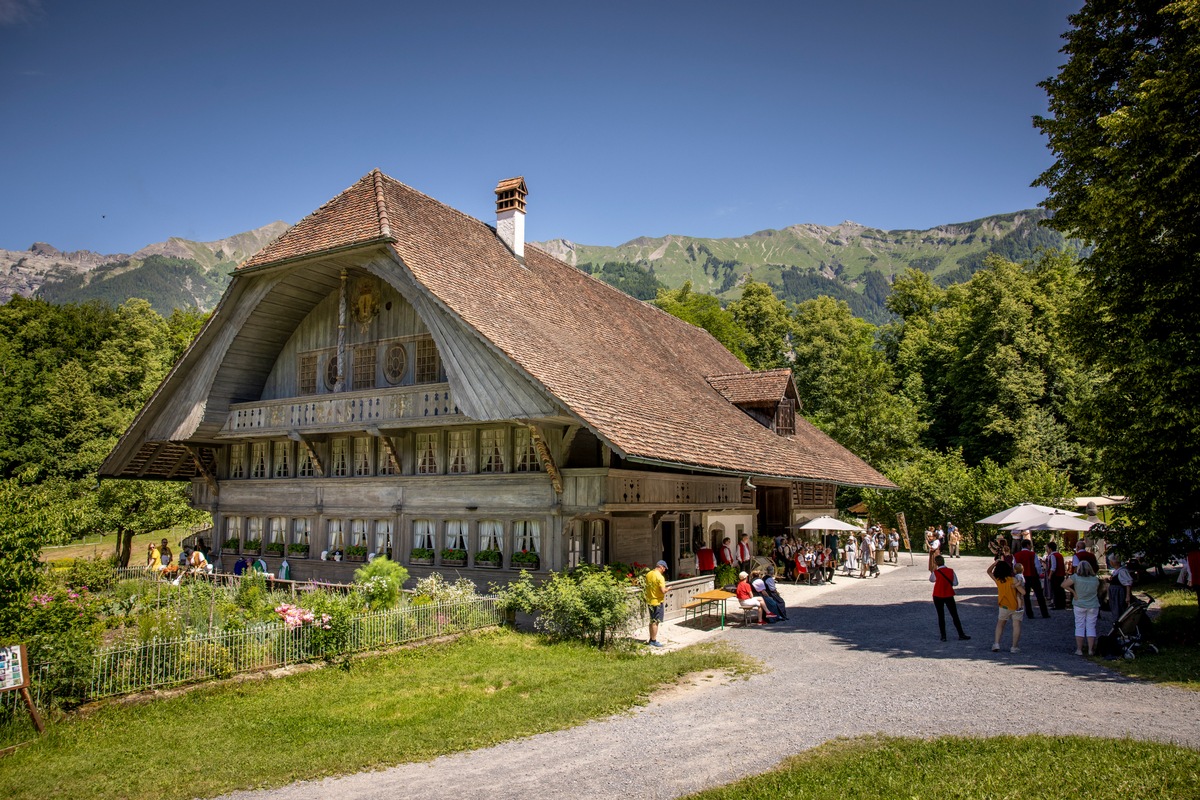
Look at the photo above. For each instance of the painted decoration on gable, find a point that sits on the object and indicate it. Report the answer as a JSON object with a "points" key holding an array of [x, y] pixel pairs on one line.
{"points": [[365, 305]]}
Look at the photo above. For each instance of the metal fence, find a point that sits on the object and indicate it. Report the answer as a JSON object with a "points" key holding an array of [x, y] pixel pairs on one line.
{"points": [[161, 663]]}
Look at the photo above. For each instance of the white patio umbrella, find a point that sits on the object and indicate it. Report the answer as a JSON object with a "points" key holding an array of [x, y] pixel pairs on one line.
{"points": [[827, 523], [1021, 512], [1055, 521]]}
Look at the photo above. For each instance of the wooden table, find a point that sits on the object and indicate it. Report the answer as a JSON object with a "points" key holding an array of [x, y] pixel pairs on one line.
{"points": [[703, 601]]}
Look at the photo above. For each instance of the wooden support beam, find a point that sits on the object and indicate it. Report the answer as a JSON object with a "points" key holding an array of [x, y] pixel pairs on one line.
{"points": [[158, 451], [387, 445], [539, 442], [296, 436], [209, 478], [564, 452], [179, 462]]}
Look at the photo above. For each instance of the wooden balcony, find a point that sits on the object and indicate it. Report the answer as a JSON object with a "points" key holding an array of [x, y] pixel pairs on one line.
{"points": [[630, 490], [408, 406]]}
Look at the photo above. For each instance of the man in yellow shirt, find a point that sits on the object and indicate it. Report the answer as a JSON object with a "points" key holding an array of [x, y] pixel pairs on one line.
{"points": [[656, 595]]}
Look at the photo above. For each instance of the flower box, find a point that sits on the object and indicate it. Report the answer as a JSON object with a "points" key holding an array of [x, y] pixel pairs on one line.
{"points": [[422, 556], [488, 559], [454, 562], [273, 548], [487, 564], [421, 562], [525, 561], [298, 550], [252, 546], [356, 552], [230, 546]]}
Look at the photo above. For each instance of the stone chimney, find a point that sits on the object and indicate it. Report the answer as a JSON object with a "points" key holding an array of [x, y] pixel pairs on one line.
{"points": [[510, 214]]}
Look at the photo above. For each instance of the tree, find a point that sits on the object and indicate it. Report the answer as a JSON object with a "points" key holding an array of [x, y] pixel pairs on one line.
{"points": [[1127, 179], [767, 323], [704, 311], [846, 386]]}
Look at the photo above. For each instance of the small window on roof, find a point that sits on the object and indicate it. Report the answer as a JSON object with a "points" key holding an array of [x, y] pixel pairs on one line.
{"points": [[785, 417]]}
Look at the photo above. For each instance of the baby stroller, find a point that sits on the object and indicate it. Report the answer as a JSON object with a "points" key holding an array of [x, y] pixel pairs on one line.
{"points": [[1132, 631]]}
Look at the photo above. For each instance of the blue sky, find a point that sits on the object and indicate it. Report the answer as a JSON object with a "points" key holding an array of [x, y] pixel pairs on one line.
{"points": [[128, 122]]}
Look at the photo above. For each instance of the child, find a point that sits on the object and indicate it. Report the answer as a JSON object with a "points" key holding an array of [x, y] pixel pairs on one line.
{"points": [[1011, 604]]}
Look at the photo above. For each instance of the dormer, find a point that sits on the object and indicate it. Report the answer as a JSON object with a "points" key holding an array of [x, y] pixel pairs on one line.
{"points": [[769, 397]]}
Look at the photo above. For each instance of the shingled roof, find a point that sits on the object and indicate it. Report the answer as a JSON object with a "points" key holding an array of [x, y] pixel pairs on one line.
{"points": [[632, 373], [764, 388]]}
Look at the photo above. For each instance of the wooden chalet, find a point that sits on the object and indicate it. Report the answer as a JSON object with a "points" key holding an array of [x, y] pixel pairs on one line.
{"points": [[393, 376]]}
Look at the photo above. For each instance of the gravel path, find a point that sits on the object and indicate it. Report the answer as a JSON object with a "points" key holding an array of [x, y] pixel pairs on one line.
{"points": [[839, 640]]}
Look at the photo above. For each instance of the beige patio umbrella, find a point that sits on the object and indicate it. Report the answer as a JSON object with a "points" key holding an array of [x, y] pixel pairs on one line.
{"points": [[1054, 521], [1021, 512], [827, 523]]}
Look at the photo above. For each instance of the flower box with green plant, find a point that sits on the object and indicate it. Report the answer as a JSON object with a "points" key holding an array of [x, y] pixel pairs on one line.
{"points": [[251, 545], [231, 545], [454, 556], [356, 551], [525, 559], [273, 548], [488, 558], [422, 555], [297, 549]]}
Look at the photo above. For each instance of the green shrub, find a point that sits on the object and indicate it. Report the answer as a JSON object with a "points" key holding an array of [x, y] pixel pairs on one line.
{"points": [[62, 628], [591, 605], [380, 582], [94, 574], [726, 575], [438, 590]]}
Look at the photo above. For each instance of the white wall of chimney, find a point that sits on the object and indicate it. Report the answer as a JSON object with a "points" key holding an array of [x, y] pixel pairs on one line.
{"points": [[510, 227]]}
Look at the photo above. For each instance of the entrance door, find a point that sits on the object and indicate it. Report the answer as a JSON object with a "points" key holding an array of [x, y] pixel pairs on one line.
{"points": [[669, 530]]}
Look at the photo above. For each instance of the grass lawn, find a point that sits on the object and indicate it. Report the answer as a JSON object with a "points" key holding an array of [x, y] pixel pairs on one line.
{"points": [[1177, 634], [103, 546], [411, 705], [1017, 767]]}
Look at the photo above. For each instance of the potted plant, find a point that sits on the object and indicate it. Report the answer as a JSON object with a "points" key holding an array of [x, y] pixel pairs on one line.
{"points": [[454, 557], [273, 548], [488, 558], [356, 552], [230, 545], [298, 549], [526, 559], [422, 555], [252, 546]]}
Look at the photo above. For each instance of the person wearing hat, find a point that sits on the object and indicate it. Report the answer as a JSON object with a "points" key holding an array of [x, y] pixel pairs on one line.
{"points": [[746, 598], [656, 596]]}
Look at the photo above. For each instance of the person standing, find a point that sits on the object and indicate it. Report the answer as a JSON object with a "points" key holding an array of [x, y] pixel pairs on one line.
{"points": [[851, 555], [1031, 569], [1120, 587], [1056, 566], [1009, 602], [656, 597], [1082, 554], [1084, 587], [1193, 578], [706, 560], [955, 539], [726, 553], [744, 555], [894, 546], [944, 580]]}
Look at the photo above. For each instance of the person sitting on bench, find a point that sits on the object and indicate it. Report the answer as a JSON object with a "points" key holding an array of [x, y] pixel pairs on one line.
{"points": [[747, 600]]}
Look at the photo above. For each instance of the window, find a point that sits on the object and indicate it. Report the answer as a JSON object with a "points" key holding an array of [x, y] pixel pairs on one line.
{"points": [[278, 529], [233, 533], [527, 536], [596, 543], [337, 535], [364, 367], [785, 417], [306, 468], [254, 530], [575, 544], [429, 364], [526, 457], [358, 533], [300, 530], [395, 363], [237, 460], [362, 455], [386, 465], [281, 460], [427, 454], [306, 380], [423, 533], [459, 447], [383, 536], [339, 463], [258, 460], [331, 372], [491, 535], [492, 444], [456, 534]]}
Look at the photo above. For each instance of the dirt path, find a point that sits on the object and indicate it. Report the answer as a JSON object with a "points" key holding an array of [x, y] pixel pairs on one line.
{"points": [[868, 650]]}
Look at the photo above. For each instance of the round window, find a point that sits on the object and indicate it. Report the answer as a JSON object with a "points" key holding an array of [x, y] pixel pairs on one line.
{"points": [[331, 373], [395, 363]]}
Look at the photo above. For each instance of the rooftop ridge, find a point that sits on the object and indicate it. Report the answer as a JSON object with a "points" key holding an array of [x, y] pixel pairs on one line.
{"points": [[385, 228]]}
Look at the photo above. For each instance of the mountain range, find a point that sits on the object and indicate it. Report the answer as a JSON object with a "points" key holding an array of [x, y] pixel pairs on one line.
{"points": [[850, 262]]}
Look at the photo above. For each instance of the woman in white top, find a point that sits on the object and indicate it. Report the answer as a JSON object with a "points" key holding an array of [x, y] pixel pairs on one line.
{"points": [[851, 554]]}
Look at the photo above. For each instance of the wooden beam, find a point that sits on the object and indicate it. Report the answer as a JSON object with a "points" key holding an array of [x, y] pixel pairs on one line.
{"points": [[564, 452], [209, 478], [387, 444], [158, 451], [178, 463], [548, 462], [307, 441]]}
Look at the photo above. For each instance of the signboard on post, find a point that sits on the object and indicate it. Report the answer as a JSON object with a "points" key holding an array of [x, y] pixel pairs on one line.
{"points": [[904, 534], [14, 677]]}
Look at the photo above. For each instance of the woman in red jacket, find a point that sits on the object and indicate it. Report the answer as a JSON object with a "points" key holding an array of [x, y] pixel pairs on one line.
{"points": [[944, 580]]}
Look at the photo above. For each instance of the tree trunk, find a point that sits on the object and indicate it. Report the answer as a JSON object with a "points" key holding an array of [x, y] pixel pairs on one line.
{"points": [[124, 545]]}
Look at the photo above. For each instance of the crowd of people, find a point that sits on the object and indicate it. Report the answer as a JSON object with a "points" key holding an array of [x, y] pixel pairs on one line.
{"points": [[193, 559]]}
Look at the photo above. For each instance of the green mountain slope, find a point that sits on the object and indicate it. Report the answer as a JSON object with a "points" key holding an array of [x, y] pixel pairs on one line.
{"points": [[850, 261], [165, 282]]}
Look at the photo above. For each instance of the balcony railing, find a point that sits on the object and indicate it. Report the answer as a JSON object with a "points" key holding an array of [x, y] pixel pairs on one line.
{"points": [[614, 488], [348, 410]]}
